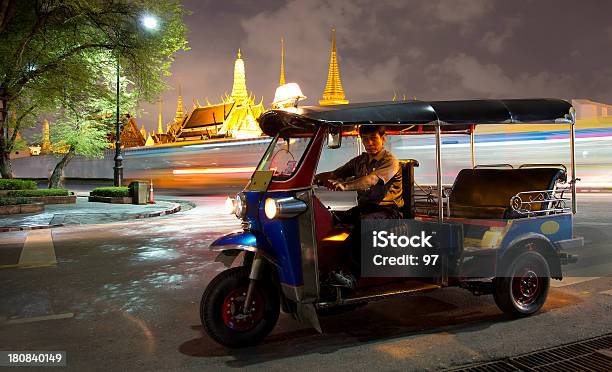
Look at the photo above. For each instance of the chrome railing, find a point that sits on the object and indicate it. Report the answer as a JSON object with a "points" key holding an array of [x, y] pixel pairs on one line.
{"points": [[542, 202], [426, 199]]}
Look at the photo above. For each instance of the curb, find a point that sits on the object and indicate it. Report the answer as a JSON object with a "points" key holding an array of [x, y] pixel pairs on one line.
{"points": [[136, 217]]}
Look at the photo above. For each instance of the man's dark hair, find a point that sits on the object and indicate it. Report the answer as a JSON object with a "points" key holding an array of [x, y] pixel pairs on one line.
{"points": [[372, 129]]}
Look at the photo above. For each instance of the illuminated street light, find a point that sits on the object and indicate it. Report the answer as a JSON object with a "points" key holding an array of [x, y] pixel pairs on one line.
{"points": [[151, 23], [287, 97]]}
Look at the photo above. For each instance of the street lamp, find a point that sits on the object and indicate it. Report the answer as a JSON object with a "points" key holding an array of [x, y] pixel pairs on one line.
{"points": [[151, 23]]}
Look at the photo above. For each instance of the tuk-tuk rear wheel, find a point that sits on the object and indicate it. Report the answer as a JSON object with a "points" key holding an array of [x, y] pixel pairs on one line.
{"points": [[523, 289], [222, 309]]}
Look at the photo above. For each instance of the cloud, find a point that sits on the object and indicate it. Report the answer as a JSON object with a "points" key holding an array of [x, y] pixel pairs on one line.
{"points": [[305, 26], [494, 42], [373, 83], [463, 73], [459, 11]]}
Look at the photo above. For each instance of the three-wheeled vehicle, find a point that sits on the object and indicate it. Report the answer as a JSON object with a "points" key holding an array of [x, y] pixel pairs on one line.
{"points": [[515, 223]]}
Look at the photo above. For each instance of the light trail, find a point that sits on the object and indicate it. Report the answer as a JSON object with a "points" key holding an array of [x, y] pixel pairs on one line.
{"points": [[220, 170]]}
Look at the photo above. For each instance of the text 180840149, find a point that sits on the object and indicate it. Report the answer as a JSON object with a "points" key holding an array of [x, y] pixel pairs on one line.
{"points": [[32, 358]]}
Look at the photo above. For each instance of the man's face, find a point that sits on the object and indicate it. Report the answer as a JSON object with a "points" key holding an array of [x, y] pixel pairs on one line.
{"points": [[373, 143]]}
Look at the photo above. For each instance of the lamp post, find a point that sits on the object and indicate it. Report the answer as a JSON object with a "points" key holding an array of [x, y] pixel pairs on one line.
{"points": [[118, 168], [151, 23]]}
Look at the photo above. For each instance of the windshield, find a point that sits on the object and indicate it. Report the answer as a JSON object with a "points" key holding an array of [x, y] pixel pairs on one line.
{"points": [[283, 156]]}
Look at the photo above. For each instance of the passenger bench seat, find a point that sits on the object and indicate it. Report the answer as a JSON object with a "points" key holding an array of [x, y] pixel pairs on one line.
{"points": [[486, 193]]}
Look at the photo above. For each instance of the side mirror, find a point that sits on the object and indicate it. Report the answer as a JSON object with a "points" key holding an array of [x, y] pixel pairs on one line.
{"points": [[334, 137]]}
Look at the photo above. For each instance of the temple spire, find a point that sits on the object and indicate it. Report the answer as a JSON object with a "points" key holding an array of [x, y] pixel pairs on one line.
{"points": [[160, 128], [239, 90], [179, 106], [281, 81], [46, 143], [333, 93]]}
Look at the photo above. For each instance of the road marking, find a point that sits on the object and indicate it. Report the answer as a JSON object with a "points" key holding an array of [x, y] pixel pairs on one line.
{"points": [[570, 280], [38, 249], [608, 292], [592, 223], [40, 318]]}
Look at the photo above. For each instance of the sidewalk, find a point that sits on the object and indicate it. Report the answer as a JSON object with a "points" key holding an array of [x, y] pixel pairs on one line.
{"points": [[84, 212]]}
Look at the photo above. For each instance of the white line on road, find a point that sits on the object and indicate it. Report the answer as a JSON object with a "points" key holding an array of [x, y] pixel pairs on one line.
{"points": [[40, 318], [571, 280], [592, 223], [38, 249], [608, 292]]}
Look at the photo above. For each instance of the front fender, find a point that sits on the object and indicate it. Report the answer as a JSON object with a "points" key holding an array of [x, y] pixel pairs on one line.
{"points": [[231, 245], [240, 240]]}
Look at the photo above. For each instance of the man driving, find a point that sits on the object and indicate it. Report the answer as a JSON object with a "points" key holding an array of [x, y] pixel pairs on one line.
{"points": [[376, 175]]}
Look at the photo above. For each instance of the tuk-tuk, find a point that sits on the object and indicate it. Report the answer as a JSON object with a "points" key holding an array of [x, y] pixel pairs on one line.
{"points": [[512, 226]]}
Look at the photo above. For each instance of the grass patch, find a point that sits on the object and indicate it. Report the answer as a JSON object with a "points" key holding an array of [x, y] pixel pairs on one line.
{"points": [[13, 201], [111, 191], [41, 192], [17, 184]]}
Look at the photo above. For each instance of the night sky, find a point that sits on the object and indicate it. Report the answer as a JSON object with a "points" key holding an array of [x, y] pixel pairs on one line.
{"points": [[426, 49]]}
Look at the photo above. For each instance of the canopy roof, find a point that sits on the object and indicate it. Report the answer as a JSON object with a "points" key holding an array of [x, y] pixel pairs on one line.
{"points": [[422, 116]]}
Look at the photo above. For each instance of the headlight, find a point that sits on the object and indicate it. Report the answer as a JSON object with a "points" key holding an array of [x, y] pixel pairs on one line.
{"points": [[270, 208], [229, 206], [240, 206], [283, 207]]}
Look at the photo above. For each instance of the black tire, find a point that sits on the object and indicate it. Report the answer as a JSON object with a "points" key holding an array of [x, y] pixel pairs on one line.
{"points": [[523, 289], [219, 298]]}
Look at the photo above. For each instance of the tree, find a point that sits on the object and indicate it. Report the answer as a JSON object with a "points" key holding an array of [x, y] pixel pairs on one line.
{"points": [[54, 54], [87, 116]]}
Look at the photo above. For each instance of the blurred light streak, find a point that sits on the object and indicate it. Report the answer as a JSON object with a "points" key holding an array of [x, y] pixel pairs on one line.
{"points": [[219, 170]]}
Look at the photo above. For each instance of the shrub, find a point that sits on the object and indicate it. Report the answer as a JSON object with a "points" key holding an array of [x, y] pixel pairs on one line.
{"points": [[110, 191], [41, 192], [17, 184], [13, 201]]}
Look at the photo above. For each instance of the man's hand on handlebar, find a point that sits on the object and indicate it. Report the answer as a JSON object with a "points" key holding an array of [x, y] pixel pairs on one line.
{"points": [[335, 185]]}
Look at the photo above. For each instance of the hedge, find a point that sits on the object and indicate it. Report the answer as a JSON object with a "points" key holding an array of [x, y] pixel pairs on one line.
{"points": [[13, 201], [17, 184], [41, 192], [110, 191]]}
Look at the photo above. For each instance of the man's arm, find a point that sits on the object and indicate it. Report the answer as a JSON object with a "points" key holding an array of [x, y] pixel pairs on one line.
{"points": [[343, 171], [362, 183], [385, 172]]}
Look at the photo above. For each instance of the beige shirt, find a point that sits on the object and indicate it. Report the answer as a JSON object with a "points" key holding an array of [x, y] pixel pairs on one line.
{"points": [[388, 190]]}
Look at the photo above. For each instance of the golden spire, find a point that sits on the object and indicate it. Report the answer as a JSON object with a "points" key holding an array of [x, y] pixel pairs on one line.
{"points": [[281, 81], [46, 143], [160, 128], [179, 107], [143, 131], [239, 90], [333, 93]]}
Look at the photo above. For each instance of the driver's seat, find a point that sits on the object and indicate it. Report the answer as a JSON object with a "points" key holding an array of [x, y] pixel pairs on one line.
{"points": [[408, 166]]}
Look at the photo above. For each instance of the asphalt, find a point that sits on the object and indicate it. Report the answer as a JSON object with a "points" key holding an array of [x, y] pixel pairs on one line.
{"points": [[84, 212]]}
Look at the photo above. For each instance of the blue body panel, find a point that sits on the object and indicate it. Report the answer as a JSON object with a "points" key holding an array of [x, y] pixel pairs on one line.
{"points": [[279, 238], [554, 228]]}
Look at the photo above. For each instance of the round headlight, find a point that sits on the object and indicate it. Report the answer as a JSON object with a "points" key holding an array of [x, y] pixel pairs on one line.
{"points": [[240, 207], [270, 208], [229, 205]]}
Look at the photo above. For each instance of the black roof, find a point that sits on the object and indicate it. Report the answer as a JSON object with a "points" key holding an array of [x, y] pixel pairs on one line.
{"points": [[454, 116]]}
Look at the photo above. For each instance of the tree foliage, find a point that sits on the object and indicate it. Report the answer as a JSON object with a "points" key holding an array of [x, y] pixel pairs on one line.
{"points": [[58, 57]]}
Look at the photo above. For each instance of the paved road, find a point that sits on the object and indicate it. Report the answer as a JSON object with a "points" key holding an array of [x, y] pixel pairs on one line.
{"points": [[125, 296]]}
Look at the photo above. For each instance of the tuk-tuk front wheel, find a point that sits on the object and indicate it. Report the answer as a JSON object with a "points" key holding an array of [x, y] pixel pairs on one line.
{"points": [[523, 289], [223, 312]]}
